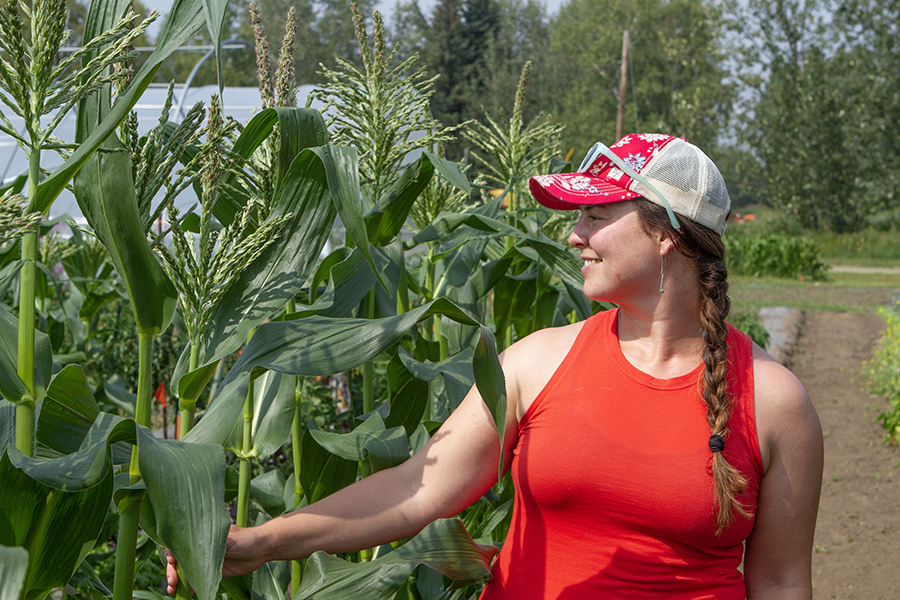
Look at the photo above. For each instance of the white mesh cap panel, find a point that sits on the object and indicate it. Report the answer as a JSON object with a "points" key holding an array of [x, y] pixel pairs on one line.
{"points": [[690, 182]]}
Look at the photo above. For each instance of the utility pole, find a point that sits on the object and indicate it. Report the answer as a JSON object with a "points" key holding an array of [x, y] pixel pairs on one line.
{"points": [[623, 88]]}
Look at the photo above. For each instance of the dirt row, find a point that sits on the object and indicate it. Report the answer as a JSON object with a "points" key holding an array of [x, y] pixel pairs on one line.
{"points": [[857, 544]]}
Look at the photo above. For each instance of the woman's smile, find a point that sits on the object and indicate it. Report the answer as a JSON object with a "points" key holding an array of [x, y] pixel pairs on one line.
{"points": [[588, 263]]}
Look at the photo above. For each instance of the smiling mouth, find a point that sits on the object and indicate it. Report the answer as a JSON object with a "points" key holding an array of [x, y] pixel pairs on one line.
{"points": [[592, 261]]}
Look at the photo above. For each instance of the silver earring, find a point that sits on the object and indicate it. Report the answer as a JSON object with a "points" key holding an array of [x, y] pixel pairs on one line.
{"points": [[662, 273]]}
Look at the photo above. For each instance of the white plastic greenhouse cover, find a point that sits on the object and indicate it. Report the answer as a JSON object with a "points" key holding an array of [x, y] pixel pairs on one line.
{"points": [[240, 103]]}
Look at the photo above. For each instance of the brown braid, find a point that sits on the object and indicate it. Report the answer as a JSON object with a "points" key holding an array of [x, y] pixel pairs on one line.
{"points": [[705, 247]]}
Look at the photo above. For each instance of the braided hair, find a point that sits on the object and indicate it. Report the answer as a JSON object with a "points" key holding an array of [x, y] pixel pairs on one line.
{"points": [[705, 248]]}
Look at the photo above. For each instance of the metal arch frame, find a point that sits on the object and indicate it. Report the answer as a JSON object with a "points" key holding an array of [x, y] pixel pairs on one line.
{"points": [[226, 45]]}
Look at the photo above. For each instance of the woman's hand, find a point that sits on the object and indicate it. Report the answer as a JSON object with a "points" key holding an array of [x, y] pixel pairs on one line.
{"points": [[242, 555], [243, 552]]}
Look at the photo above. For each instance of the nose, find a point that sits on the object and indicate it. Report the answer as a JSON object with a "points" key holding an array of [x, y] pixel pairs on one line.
{"points": [[578, 239]]}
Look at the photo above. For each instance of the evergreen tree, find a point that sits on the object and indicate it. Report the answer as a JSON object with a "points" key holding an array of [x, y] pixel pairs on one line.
{"points": [[443, 41], [479, 32], [409, 32], [335, 32], [521, 37]]}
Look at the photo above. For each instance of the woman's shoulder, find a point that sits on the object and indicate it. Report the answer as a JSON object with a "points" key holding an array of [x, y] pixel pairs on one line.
{"points": [[783, 408], [777, 385]]}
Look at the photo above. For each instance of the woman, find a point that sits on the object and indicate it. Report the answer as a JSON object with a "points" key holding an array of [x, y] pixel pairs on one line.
{"points": [[650, 442]]}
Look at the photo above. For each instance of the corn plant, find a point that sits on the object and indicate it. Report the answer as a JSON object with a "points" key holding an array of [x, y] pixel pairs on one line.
{"points": [[511, 154], [276, 174], [34, 85], [377, 110], [59, 500]]}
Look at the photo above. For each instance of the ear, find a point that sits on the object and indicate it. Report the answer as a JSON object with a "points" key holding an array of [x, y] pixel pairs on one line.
{"points": [[666, 244]]}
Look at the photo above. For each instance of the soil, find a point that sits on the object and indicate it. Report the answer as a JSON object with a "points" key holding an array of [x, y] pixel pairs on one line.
{"points": [[857, 543]]}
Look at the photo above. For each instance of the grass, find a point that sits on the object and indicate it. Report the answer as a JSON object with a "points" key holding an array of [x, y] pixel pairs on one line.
{"points": [[840, 291]]}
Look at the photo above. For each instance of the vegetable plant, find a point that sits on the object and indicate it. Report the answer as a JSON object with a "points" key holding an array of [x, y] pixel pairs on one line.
{"points": [[243, 270]]}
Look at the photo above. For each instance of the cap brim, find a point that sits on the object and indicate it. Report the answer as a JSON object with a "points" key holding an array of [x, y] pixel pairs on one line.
{"points": [[568, 191]]}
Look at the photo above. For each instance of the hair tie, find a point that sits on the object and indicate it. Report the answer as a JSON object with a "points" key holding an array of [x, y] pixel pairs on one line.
{"points": [[716, 443]]}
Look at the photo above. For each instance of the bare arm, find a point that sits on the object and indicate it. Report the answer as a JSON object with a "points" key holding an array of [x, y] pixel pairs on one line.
{"points": [[778, 562], [455, 468]]}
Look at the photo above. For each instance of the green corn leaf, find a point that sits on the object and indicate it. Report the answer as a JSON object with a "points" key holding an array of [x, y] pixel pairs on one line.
{"points": [[350, 446], [321, 472], [463, 262], [270, 579], [186, 486], [386, 219], [342, 169], [409, 395], [215, 20], [182, 22], [10, 271], [450, 171], [275, 277], [11, 386], [94, 302], [484, 279], [273, 413], [387, 449], [7, 424], [456, 372], [324, 272], [348, 283], [67, 413], [466, 296], [535, 246], [13, 569], [105, 192], [268, 490], [57, 528], [115, 392], [85, 468], [443, 545], [299, 128], [512, 296], [487, 368], [383, 448]]}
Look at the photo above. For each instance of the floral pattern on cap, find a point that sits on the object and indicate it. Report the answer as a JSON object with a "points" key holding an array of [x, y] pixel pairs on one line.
{"points": [[578, 183], [637, 161], [653, 137]]}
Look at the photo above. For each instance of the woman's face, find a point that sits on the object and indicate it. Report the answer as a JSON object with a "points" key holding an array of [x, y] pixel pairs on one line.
{"points": [[621, 262]]}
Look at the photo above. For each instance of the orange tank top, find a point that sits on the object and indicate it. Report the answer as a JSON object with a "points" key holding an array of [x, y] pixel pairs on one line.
{"points": [[613, 479]]}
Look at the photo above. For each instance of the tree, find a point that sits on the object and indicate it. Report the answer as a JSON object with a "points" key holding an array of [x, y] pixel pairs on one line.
{"points": [[521, 37], [444, 37], [814, 118], [408, 34], [676, 76], [870, 32], [335, 31]]}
